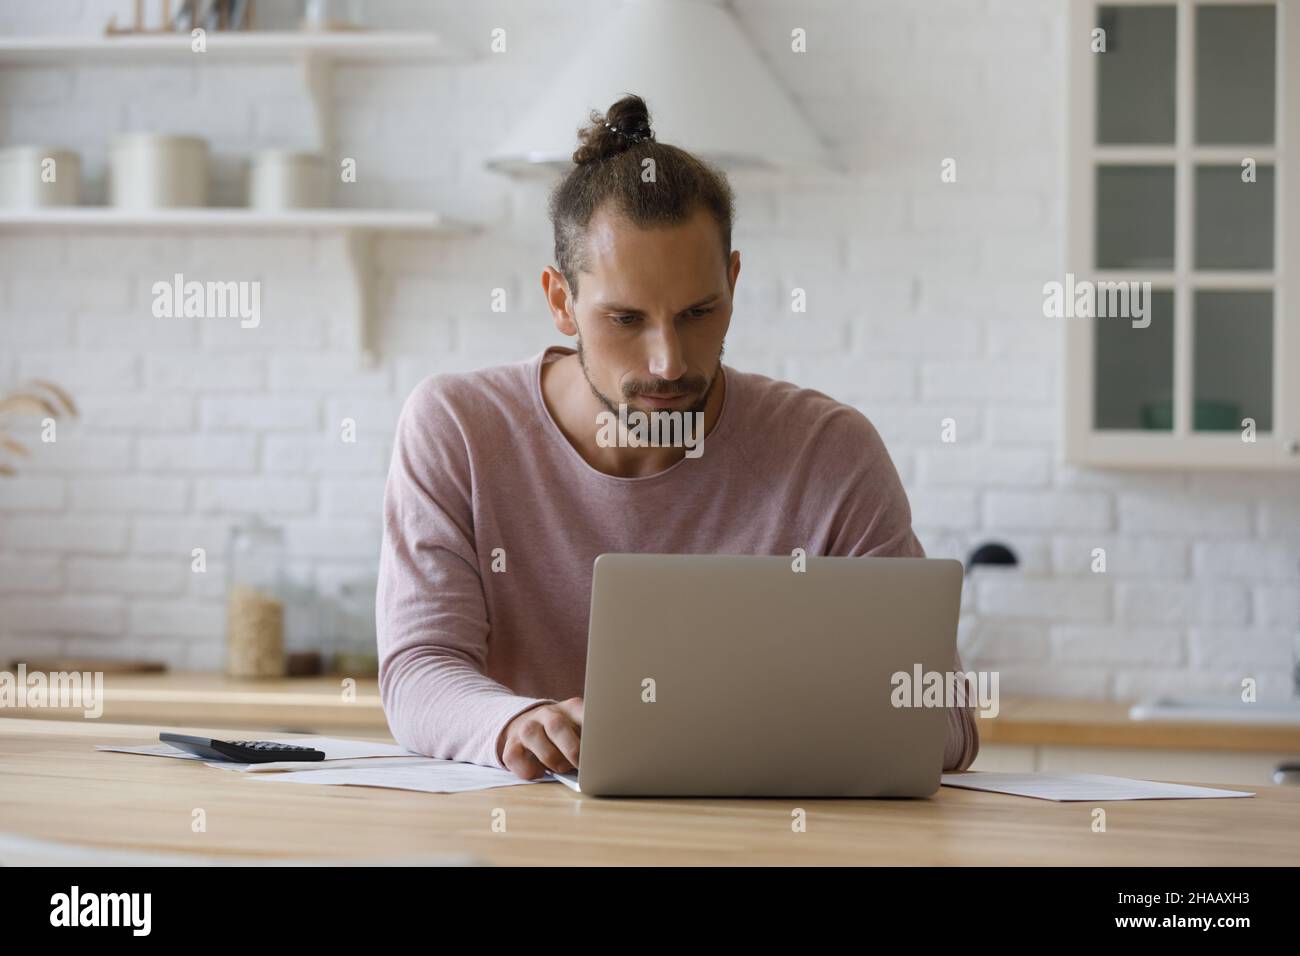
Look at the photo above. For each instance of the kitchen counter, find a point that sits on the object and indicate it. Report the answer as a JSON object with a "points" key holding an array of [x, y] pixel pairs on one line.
{"points": [[286, 705], [318, 705], [1105, 723]]}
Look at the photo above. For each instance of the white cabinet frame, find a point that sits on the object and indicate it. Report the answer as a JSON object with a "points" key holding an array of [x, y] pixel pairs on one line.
{"points": [[1181, 447]]}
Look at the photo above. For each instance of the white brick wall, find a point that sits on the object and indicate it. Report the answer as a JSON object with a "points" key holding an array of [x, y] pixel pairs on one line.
{"points": [[923, 298]]}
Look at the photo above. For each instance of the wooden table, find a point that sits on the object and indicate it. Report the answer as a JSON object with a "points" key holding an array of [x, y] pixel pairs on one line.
{"points": [[53, 785]]}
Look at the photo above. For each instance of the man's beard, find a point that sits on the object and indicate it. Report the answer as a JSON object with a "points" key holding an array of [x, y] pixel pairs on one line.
{"points": [[659, 385]]}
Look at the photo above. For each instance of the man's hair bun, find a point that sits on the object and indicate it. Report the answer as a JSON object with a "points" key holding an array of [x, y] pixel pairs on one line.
{"points": [[624, 125], [609, 173]]}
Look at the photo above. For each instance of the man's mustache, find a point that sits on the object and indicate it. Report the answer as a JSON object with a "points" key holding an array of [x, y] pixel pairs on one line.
{"points": [[665, 387]]}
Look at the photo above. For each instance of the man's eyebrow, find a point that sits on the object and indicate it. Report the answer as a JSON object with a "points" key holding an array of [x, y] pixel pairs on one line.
{"points": [[629, 310]]}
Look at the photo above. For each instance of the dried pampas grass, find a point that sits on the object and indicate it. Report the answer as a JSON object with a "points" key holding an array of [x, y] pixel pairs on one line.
{"points": [[37, 399]]}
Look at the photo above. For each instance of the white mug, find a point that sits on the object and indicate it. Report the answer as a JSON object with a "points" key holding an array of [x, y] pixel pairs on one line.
{"points": [[153, 171], [32, 177], [284, 179]]}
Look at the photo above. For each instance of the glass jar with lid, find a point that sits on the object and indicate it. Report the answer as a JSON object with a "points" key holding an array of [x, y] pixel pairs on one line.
{"points": [[355, 652], [256, 601]]}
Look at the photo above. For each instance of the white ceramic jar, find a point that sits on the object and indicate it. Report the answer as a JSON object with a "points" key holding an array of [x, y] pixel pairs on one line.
{"points": [[284, 179], [35, 176], [156, 171]]}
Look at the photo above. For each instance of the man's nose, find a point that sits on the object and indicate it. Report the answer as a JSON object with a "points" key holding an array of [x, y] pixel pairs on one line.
{"points": [[666, 359]]}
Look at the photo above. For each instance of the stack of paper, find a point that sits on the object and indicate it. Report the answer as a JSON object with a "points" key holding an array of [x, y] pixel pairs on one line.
{"points": [[357, 763]]}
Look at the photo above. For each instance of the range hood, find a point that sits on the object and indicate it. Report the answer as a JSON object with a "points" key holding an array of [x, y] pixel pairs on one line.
{"points": [[707, 89]]}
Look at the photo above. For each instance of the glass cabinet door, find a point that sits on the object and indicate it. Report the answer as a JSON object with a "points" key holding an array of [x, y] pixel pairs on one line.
{"points": [[1136, 81], [1232, 365], [1178, 190]]}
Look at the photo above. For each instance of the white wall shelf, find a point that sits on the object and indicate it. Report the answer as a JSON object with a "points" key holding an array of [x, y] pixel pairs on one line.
{"points": [[358, 227], [327, 220], [316, 55], [237, 44]]}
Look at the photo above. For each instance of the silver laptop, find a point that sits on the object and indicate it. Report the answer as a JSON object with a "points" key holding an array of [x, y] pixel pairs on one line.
{"points": [[731, 676]]}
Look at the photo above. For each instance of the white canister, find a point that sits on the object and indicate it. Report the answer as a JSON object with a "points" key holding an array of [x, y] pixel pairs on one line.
{"points": [[284, 179], [155, 171], [36, 176]]}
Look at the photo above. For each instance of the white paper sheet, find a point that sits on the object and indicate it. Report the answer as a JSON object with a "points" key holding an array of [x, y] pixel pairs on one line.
{"points": [[334, 748], [277, 766], [151, 750], [357, 763], [569, 779], [1080, 786], [430, 776]]}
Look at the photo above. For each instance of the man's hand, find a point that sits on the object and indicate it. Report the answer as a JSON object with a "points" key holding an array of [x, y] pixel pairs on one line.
{"points": [[543, 738]]}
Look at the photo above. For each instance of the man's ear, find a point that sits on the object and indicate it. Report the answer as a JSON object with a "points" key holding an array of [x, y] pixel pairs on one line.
{"points": [[734, 270], [560, 302]]}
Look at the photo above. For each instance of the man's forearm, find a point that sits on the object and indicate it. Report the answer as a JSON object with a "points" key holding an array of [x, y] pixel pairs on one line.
{"points": [[443, 707]]}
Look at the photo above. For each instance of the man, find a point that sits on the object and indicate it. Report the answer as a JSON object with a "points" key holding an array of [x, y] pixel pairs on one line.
{"points": [[504, 488]]}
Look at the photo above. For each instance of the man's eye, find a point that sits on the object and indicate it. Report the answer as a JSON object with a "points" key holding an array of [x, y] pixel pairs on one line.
{"points": [[698, 313]]}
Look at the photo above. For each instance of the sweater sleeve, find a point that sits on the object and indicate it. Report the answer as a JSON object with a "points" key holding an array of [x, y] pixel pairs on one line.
{"points": [[878, 523], [963, 743], [430, 614]]}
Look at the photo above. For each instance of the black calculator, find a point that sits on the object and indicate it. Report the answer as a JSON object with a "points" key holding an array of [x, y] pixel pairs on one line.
{"points": [[241, 751]]}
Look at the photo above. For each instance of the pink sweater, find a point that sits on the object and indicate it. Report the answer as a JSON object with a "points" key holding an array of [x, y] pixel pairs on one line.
{"points": [[480, 465]]}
